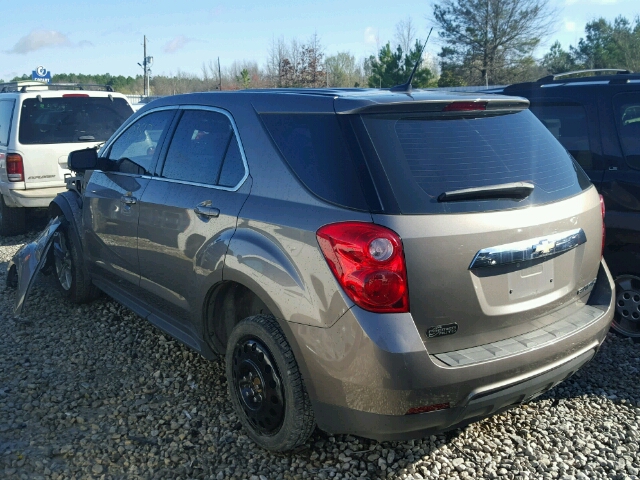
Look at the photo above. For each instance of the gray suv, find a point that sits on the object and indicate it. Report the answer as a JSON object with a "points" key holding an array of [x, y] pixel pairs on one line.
{"points": [[375, 263]]}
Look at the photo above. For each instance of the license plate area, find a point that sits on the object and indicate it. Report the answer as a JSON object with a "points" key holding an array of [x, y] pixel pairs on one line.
{"points": [[531, 281]]}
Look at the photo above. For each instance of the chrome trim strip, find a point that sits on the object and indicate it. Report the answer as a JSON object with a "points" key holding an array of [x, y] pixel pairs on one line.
{"points": [[528, 250]]}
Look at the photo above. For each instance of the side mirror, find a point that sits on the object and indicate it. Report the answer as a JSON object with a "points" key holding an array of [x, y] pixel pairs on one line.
{"points": [[81, 160]]}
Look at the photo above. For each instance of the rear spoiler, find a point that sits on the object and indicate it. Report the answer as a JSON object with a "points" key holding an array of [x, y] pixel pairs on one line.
{"points": [[441, 105]]}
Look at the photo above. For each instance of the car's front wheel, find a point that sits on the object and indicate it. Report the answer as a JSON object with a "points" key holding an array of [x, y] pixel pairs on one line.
{"points": [[266, 388], [626, 321], [67, 267]]}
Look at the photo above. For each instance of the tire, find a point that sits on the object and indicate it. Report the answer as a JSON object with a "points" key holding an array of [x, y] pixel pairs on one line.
{"points": [[12, 220], [265, 385], [626, 321], [67, 261]]}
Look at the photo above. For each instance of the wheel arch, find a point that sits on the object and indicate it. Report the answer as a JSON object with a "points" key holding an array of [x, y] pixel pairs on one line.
{"points": [[227, 303]]}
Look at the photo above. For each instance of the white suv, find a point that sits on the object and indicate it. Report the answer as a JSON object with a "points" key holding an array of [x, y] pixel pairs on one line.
{"points": [[39, 125]]}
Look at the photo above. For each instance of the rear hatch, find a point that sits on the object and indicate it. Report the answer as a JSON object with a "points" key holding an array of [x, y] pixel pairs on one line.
{"points": [[51, 127], [502, 231]]}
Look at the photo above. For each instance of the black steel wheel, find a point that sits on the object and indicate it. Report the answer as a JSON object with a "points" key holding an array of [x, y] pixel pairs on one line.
{"points": [[626, 321], [259, 386], [265, 385]]}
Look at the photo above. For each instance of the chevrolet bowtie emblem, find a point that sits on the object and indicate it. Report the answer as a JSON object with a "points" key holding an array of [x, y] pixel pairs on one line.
{"points": [[543, 248]]}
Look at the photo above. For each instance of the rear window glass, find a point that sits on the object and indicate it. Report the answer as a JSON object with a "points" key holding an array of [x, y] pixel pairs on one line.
{"points": [[71, 119], [424, 157], [314, 147]]}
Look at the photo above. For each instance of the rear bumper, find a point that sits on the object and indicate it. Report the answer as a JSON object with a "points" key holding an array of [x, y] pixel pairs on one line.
{"points": [[32, 198], [366, 371]]}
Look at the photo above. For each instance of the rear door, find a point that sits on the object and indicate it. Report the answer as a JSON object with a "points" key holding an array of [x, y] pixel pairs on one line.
{"points": [[112, 196], [51, 127], [189, 210], [621, 186], [493, 266]]}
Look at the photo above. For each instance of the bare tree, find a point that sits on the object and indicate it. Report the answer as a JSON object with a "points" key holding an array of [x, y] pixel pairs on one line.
{"points": [[276, 54], [490, 41], [406, 34]]}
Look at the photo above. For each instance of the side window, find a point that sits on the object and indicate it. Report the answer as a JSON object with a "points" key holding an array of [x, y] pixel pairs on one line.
{"points": [[627, 112], [6, 113], [136, 150], [568, 123], [204, 149]]}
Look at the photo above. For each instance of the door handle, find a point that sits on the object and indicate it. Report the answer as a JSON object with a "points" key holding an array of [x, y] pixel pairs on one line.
{"points": [[206, 210], [128, 199]]}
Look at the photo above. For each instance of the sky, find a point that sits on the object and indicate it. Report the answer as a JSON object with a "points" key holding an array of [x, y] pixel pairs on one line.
{"points": [[90, 37]]}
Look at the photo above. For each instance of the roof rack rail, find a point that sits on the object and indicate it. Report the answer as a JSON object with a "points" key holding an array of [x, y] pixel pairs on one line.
{"points": [[551, 78], [26, 85]]}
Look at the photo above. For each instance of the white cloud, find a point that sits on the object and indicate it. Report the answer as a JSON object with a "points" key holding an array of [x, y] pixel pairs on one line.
{"points": [[570, 26], [176, 44], [370, 36], [39, 39]]}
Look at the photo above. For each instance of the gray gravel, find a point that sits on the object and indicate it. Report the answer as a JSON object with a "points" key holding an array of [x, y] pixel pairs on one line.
{"points": [[96, 392]]}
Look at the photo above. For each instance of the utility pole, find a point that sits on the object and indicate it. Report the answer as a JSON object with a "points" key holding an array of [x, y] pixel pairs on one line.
{"points": [[219, 76], [144, 67]]}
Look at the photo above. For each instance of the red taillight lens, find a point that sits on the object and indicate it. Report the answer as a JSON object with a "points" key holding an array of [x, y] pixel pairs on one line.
{"points": [[74, 95], [15, 168], [368, 262], [465, 107], [604, 233]]}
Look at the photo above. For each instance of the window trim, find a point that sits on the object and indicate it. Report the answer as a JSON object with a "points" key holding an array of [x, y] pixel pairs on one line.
{"points": [[161, 161], [13, 112]]}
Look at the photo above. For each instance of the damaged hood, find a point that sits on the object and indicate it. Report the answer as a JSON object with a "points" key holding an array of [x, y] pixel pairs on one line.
{"points": [[27, 263]]}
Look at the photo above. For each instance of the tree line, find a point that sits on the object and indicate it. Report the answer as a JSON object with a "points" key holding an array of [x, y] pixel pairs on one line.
{"points": [[482, 42]]}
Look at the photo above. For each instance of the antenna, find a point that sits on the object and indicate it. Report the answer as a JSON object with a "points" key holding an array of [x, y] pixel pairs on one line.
{"points": [[406, 87]]}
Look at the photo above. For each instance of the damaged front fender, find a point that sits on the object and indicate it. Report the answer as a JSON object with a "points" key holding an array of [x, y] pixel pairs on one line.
{"points": [[27, 263]]}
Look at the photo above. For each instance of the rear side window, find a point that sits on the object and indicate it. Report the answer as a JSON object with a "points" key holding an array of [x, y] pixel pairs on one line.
{"points": [[71, 119], [568, 123], [6, 114], [424, 157], [627, 112], [314, 147], [204, 149]]}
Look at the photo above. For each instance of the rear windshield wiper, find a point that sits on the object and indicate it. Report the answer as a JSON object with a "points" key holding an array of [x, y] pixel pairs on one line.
{"points": [[515, 190]]}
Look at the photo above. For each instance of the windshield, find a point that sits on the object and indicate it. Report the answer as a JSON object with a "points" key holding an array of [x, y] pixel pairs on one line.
{"points": [[71, 119]]}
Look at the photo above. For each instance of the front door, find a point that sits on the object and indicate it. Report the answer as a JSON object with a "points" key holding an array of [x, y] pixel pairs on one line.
{"points": [[188, 213], [112, 195]]}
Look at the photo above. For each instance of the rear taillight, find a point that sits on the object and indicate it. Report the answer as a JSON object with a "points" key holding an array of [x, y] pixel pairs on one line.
{"points": [[465, 107], [75, 95], [368, 262], [15, 168], [604, 233]]}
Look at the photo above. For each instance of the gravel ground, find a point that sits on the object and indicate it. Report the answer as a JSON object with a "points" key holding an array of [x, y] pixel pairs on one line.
{"points": [[96, 392]]}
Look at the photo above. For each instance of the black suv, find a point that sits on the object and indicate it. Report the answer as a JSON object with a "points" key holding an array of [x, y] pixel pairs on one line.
{"points": [[597, 119]]}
